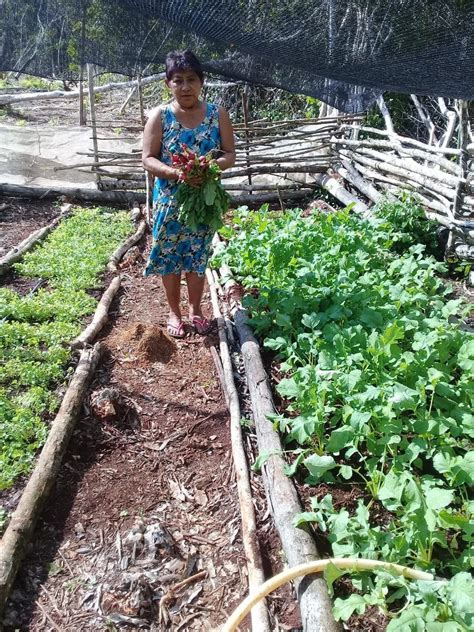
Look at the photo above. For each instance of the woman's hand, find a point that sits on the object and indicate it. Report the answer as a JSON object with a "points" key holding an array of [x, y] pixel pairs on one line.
{"points": [[194, 181]]}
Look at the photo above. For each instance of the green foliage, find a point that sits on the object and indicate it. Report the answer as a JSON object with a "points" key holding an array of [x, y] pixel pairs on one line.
{"points": [[35, 330], [76, 253], [28, 82], [377, 391]]}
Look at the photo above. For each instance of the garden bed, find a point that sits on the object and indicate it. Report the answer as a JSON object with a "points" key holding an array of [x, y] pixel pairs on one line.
{"points": [[373, 372], [161, 468]]}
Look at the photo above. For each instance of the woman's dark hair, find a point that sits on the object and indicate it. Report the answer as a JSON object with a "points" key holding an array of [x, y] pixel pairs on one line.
{"points": [[179, 61]]}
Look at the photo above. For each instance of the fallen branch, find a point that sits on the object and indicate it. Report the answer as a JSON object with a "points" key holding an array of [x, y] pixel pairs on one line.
{"points": [[260, 622], [16, 253], [422, 180], [100, 317], [20, 529], [405, 139], [122, 249]]}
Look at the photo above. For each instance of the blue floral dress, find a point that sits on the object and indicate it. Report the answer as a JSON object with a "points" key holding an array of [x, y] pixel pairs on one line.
{"points": [[176, 248]]}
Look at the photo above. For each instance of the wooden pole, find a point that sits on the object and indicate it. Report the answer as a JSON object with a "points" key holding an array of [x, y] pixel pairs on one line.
{"points": [[140, 99], [245, 110], [90, 85], [463, 140], [100, 317], [82, 113]]}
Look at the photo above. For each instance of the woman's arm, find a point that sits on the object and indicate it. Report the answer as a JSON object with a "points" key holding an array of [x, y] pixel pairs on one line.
{"points": [[227, 157], [152, 135]]}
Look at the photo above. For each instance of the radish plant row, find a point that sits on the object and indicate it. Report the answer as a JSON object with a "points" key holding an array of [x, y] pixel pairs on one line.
{"points": [[35, 329], [378, 391]]}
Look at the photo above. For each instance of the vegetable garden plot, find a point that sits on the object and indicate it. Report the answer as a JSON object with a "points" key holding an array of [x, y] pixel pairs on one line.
{"points": [[377, 399], [35, 329]]}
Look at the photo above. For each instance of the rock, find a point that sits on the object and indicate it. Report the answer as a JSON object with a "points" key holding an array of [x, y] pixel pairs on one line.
{"points": [[108, 405]]}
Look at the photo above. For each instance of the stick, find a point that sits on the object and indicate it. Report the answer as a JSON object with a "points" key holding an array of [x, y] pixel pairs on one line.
{"points": [[260, 621], [100, 317], [21, 526], [122, 249], [233, 173], [405, 139], [413, 152], [16, 253]]}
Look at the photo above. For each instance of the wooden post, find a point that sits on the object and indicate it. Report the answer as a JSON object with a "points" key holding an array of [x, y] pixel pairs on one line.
{"points": [[90, 85], [140, 99], [463, 140], [82, 113], [245, 110]]}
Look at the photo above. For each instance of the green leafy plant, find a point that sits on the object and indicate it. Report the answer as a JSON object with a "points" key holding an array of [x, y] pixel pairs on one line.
{"points": [[376, 390], [35, 330]]}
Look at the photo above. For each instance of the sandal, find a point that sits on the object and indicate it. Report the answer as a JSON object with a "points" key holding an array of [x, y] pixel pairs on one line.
{"points": [[201, 325], [176, 330]]}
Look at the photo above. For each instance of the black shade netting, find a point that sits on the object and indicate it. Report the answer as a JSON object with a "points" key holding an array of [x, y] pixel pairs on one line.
{"points": [[344, 52]]}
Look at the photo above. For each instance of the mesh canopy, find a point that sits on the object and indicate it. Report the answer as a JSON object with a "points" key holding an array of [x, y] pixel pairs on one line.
{"points": [[344, 52]]}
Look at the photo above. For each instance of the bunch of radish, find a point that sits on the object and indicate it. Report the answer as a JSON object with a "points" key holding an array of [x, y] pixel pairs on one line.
{"points": [[202, 202]]}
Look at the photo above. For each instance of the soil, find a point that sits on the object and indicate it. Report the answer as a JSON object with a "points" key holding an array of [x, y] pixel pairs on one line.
{"points": [[147, 499], [20, 217]]}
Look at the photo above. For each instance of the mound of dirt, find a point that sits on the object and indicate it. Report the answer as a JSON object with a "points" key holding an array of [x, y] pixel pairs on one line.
{"points": [[154, 344]]}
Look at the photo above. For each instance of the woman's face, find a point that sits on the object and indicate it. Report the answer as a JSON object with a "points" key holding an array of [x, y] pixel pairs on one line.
{"points": [[186, 87]]}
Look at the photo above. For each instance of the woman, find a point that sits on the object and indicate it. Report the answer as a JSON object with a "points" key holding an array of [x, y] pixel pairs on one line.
{"points": [[202, 127]]}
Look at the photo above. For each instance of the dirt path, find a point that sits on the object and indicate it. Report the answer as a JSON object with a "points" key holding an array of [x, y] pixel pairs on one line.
{"points": [[155, 485]]}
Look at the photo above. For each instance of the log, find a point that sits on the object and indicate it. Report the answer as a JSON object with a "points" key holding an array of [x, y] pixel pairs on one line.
{"points": [[266, 187], [7, 99], [349, 173], [100, 317], [271, 197], [20, 529], [16, 253], [127, 244], [89, 195], [336, 189], [259, 614], [298, 545]]}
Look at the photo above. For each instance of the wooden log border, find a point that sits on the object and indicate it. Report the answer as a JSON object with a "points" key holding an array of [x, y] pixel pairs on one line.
{"points": [[298, 545], [15, 540], [127, 244], [256, 577], [100, 317], [17, 252]]}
